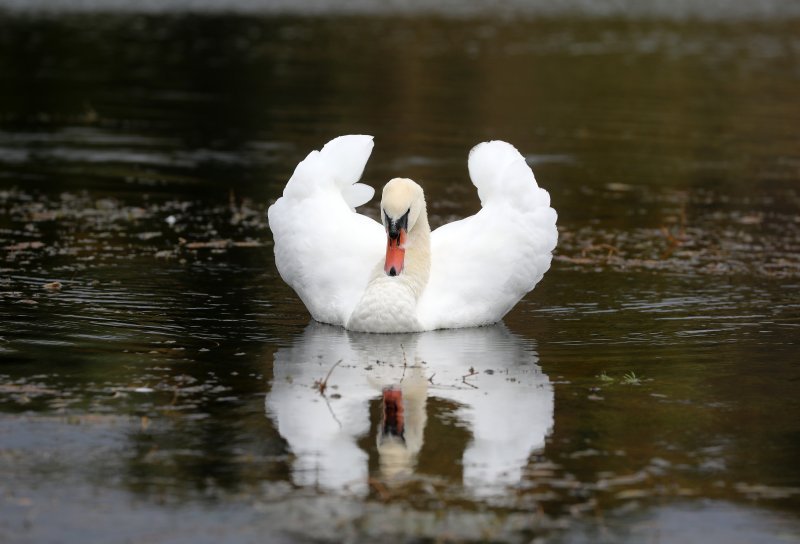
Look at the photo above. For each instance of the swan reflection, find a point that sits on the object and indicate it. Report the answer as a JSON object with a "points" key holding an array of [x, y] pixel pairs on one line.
{"points": [[504, 401]]}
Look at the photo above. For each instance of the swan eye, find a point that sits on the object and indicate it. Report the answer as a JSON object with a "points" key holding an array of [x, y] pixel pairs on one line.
{"points": [[402, 221], [393, 227]]}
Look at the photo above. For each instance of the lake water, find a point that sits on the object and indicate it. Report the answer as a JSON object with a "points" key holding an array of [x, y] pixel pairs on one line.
{"points": [[160, 383]]}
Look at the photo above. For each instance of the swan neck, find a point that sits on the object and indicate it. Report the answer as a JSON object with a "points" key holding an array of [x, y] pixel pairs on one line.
{"points": [[418, 254]]}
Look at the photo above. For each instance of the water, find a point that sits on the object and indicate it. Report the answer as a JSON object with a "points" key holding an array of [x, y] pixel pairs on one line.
{"points": [[168, 387]]}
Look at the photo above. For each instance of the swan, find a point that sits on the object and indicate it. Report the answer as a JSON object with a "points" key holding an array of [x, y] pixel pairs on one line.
{"points": [[397, 276]]}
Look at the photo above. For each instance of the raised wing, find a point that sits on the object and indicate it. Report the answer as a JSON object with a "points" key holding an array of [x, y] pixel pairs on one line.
{"points": [[323, 249], [483, 265]]}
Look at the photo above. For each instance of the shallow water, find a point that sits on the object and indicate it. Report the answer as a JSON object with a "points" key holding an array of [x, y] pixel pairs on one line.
{"points": [[158, 382]]}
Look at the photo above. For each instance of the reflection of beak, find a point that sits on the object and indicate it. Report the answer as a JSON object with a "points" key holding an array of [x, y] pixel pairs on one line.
{"points": [[396, 245], [393, 419]]}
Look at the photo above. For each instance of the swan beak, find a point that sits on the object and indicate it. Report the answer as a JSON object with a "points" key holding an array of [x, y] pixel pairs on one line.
{"points": [[393, 419], [396, 230], [395, 253]]}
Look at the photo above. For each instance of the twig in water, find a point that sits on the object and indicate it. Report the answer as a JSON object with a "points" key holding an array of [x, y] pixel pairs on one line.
{"points": [[465, 376], [322, 385], [405, 363], [330, 409]]}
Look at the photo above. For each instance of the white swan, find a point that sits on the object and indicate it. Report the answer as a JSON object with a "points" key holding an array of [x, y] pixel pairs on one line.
{"points": [[352, 271]]}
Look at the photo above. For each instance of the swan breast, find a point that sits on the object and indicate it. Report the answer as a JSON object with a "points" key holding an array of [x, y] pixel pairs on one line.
{"points": [[388, 305]]}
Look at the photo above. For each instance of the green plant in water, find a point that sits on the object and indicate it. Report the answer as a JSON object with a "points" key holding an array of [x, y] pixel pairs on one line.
{"points": [[603, 377], [631, 378]]}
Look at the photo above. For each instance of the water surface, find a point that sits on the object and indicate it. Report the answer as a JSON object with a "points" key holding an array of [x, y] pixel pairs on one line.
{"points": [[158, 382]]}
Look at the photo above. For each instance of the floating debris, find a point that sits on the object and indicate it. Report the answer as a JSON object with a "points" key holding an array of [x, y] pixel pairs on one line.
{"points": [[322, 385], [631, 378], [222, 244], [23, 246]]}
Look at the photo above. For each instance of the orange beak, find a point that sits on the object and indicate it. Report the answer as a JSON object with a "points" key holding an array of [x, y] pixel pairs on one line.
{"points": [[395, 254]]}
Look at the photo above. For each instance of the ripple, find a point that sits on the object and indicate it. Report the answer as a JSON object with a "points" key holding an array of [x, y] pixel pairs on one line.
{"points": [[100, 146]]}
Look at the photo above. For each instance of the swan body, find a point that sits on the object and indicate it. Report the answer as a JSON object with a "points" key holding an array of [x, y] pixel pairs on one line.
{"points": [[397, 275]]}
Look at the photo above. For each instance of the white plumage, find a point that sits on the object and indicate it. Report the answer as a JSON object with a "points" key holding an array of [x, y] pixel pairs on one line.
{"points": [[467, 273]]}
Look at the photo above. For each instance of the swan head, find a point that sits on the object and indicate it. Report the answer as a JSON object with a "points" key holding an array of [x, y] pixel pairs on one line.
{"points": [[402, 204]]}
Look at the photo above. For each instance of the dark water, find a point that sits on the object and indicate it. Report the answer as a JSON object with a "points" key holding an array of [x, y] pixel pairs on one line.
{"points": [[166, 389]]}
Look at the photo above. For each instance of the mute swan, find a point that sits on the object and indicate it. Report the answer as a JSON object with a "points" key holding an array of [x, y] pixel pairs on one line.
{"points": [[352, 271]]}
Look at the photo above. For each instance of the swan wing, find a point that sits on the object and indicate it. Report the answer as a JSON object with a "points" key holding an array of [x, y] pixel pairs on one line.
{"points": [[483, 265], [325, 250]]}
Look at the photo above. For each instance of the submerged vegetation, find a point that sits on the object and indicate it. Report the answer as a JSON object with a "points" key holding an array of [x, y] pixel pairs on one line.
{"points": [[631, 378], [35, 227]]}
